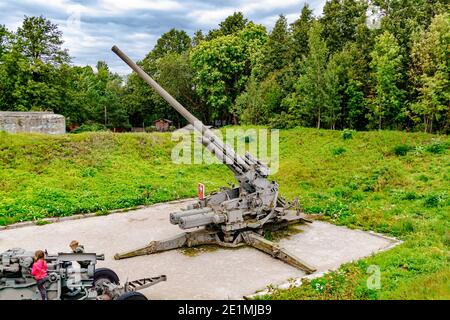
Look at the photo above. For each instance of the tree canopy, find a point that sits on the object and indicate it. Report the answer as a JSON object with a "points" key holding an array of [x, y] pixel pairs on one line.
{"points": [[336, 70]]}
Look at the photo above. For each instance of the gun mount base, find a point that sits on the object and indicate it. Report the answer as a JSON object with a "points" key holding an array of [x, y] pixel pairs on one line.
{"points": [[230, 217], [251, 238]]}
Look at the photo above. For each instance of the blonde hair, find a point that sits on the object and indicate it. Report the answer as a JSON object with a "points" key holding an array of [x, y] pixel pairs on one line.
{"points": [[38, 255]]}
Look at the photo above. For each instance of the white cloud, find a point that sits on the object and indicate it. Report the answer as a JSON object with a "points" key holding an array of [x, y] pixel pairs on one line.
{"points": [[210, 17], [265, 12], [120, 6], [90, 28]]}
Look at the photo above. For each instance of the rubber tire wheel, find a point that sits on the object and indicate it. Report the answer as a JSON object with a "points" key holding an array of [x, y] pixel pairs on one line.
{"points": [[132, 296], [105, 273]]}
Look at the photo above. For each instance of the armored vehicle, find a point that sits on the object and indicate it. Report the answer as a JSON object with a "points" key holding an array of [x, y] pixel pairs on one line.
{"points": [[65, 280]]}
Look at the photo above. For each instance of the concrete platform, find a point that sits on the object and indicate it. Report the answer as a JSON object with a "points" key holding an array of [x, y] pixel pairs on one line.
{"points": [[211, 274]]}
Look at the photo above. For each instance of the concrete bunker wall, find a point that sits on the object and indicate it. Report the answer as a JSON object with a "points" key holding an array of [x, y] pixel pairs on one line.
{"points": [[39, 122]]}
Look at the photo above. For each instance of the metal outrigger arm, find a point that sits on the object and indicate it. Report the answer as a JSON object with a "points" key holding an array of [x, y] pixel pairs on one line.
{"points": [[203, 236]]}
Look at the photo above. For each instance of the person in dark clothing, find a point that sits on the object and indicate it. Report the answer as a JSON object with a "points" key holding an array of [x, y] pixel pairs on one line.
{"points": [[77, 248]]}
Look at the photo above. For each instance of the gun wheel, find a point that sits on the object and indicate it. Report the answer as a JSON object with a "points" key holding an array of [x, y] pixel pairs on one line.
{"points": [[102, 275]]}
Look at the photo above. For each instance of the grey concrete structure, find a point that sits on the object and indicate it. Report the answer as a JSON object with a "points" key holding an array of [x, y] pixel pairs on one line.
{"points": [[212, 273], [38, 122]]}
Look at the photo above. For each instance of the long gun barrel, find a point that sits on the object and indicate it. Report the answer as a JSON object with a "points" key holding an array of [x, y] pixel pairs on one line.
{"points": [[228, 217], [215, 145]]}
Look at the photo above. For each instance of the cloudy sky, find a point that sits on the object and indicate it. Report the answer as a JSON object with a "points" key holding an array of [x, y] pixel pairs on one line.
{"points": [[91, 27]]}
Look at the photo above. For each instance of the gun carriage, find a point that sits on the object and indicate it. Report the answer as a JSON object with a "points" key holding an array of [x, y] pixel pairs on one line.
{"points": [[65, 281], [231, 217]]}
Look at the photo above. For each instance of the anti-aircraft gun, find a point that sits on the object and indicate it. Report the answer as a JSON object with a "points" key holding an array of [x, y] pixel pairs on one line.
{"points": [[230, 217], [65, 282]]}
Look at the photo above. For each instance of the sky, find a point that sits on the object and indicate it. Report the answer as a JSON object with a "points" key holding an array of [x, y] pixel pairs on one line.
{"points": [[91, 27]]}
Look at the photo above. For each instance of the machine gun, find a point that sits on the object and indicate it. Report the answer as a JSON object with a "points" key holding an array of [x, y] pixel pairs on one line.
{"points": [[231, 217]]}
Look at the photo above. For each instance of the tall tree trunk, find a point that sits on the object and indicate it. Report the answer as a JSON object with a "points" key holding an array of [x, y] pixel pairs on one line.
{"points": [[235, 122], [318, 120]]}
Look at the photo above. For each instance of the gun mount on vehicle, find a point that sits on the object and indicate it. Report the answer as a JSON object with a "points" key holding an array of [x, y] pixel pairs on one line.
{"points": [[65, 282], [230, 217]]}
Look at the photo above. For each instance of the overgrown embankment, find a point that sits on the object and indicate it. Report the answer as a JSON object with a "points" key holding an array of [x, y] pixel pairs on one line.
{"points": [[45, 176], [391, 182]]}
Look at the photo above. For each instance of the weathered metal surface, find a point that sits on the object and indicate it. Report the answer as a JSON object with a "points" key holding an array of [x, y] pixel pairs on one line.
{"points": [[226, 214], [256, 241], [141, 284], [63, 280]]}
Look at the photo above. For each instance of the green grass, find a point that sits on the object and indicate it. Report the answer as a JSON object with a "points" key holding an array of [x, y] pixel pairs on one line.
{"points": [[369, 181]]}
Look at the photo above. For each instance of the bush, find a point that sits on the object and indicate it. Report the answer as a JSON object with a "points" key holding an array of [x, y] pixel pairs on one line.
{"points": [[248, 139], [90, 128], [410, 195], [348, 134], [402, 149], [437, 147], [150, 129], [434, 200], [338, 151], [282, 121]]}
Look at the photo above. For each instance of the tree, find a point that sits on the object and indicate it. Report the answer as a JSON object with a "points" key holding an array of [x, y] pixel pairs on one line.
{"points": [[403, 17], [431, 68], [6, 86], [333, 99], [231, 25], [300, 29], [197, 38], [277, 52], [31, 67], [138, 100], [353, 114], [38, 39], [386, 64], [306, 102], [175, 74], [5, 40], [343, 99], [143, 104], [116, 115], [345, 83], [222, 67], [340, 20], [258, 103], [93, 97], [75, 108], [173, 41]]}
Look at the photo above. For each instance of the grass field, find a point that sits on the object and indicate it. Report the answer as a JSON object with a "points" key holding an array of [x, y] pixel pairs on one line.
{"points": [[395, 183]]}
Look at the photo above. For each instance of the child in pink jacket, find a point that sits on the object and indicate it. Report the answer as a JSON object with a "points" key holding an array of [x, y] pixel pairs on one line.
{"points": [[39, 271]]}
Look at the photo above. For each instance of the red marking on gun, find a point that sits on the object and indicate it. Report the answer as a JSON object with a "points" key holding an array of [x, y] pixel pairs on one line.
{"points": [[201, 191]]}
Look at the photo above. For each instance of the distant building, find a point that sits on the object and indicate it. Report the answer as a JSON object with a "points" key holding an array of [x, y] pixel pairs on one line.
{"points": [[220, 123], [189, 128], [38, 122], [162, 125]]}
